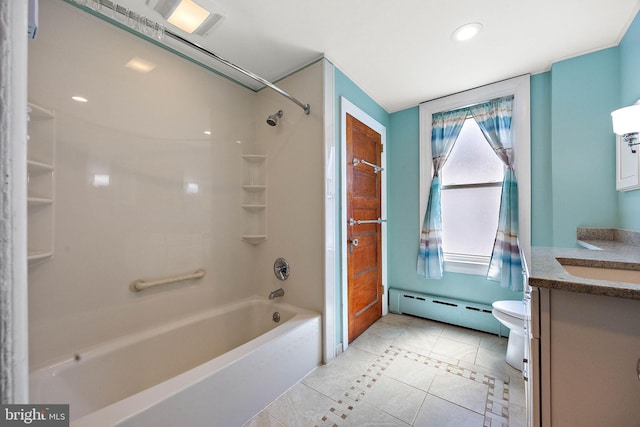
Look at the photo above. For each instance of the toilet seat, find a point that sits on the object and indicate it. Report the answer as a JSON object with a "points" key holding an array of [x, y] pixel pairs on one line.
{"points": [[511, 308]]}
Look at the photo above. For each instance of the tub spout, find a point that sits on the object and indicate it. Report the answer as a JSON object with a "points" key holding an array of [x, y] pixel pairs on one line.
{"points": [[277, 293]]}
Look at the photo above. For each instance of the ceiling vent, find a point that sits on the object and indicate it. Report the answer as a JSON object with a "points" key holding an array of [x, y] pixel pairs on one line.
{"points": [[208, 24], [166, 9]]}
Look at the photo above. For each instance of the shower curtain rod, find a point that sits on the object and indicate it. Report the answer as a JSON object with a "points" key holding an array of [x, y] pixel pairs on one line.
{"points": [[305, 107], [137, 19]]}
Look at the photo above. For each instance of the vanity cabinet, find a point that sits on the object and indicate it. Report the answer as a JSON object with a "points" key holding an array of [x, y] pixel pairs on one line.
{"points": [[40, 182], [590, 350], [254, 198]]}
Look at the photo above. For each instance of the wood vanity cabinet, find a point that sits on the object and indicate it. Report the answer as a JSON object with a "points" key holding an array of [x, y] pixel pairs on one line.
{"points": [[590, 350]]}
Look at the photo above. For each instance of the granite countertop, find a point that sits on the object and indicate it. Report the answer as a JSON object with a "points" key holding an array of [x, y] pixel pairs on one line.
{"points": [[615, 249]]}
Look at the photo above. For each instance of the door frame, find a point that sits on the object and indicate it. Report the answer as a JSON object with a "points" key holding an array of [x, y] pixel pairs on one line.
{"points": [[347, 107], [14, 345]]}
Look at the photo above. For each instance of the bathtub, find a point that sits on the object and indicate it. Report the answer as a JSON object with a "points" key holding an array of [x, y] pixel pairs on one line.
{"points": [[216, 368]]}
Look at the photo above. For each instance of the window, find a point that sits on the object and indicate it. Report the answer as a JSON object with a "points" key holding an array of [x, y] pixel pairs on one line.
{"points": [[471, 186], [466, 179]]}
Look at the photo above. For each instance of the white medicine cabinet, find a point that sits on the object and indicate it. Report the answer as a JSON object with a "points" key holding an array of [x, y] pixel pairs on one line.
{"points": [[627, 166]]}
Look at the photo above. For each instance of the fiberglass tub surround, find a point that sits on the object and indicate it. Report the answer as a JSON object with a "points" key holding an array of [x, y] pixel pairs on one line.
{"points": [[148, 184], [237, 359], [141, 191]]}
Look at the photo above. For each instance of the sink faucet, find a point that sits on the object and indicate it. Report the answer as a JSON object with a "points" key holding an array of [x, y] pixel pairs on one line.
{"points": [[277, 293]]}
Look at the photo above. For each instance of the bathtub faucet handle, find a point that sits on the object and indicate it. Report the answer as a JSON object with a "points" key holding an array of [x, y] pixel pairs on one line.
{"points": [[277, 293], [281, 269]]}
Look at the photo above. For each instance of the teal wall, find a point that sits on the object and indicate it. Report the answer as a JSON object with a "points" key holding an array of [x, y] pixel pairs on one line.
{"points": [[404, 218], [629, 201], [584, 91], [541, 174], [573, 146], [346, 88], [572, 164]]}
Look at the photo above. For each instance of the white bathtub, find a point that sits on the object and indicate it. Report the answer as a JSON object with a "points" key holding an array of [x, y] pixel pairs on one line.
{"points": [[217, 368]]}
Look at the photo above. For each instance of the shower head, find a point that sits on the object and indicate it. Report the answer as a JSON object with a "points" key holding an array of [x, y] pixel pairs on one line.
{"points": [[272, 120]]}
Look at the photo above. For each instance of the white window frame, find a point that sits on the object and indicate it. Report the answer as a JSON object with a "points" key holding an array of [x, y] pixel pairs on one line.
{"points": [[519, 87]]}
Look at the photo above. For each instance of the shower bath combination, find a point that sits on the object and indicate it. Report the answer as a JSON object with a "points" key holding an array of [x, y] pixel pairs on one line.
{"points": [[272, 120]]}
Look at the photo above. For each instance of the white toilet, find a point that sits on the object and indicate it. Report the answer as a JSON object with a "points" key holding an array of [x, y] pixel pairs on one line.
{"points": [[511, 314]]}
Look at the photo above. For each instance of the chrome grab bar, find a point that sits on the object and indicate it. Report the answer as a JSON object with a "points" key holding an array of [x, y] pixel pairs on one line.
{"points": [[353, 222], [140, 284], [376, 168]]}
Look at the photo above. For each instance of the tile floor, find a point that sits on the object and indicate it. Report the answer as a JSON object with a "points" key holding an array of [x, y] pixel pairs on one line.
{"points": [[407, 371]]}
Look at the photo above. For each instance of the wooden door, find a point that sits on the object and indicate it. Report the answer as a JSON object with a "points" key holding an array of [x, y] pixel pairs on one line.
{"points": [[364, 241]]}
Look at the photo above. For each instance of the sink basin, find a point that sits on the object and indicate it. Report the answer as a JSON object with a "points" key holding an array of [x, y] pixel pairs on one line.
{"points": [[604, 273]]}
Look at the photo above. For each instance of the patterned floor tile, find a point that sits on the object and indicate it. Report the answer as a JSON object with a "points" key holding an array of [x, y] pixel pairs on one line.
{"points": [[437, 412], [384, 381], [396, 398]]}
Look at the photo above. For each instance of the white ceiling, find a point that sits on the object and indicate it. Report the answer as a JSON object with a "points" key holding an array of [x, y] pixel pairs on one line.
{"points": [[401, 52]]}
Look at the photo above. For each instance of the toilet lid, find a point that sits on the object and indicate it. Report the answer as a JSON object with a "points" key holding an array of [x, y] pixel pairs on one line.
{"points": [[512, 308]]}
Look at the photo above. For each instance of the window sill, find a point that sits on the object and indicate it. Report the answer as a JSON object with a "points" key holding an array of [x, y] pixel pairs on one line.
{"points": [[466, 264]]}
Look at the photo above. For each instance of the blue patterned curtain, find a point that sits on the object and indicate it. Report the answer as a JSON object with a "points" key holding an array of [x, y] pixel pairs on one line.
{"points": [[494, 119], [445, 128]]}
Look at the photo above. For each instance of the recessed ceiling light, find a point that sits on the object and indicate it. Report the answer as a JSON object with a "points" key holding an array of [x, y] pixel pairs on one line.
{"points": [[188, 16], [207, 132], [467, 31], [140, 65], [79, 98]]}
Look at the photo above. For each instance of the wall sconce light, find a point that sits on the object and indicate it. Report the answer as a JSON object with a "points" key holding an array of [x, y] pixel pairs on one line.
{"points": [[626, 123]]}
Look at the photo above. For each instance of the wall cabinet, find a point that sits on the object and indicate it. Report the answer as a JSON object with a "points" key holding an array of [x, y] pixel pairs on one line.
{"points": [[627, 166], [254, 198], [40, 182]]}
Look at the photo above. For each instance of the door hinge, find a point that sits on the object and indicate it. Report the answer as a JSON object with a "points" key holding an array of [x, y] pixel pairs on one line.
{"points": [[382, 148]]}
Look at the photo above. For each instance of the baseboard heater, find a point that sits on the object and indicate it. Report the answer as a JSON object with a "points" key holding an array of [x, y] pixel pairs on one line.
{"points": [[456, 312]]}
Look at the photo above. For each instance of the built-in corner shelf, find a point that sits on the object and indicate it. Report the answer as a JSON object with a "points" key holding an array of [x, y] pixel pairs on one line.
{"points": [[40, 183], [254, 198], [34, 201], [254, 240], [38, 256]]}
